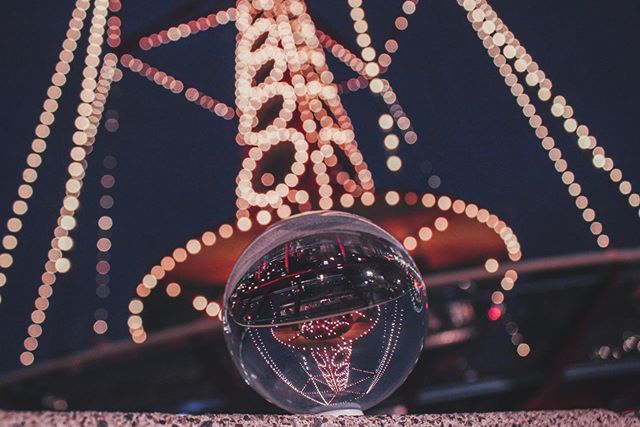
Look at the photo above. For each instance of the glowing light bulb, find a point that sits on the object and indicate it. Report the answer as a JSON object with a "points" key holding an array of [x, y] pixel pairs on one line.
{"points": [[325, 313]]}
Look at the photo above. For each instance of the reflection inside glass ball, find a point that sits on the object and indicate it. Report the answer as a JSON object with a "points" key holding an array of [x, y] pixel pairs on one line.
{"points": [[325, 312]]}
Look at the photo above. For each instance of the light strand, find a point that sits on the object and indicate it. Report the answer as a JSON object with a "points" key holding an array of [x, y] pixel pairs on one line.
{"points": [[496, 35], [363, 39], [425, 233], [104, 242], [107, 181], [38, 146], [93, 97], [173, 289], [176, 86], [341, 53], [392, 198], [184, 30], [489, 28], [114, 24], [371, 70], [401, 23]]}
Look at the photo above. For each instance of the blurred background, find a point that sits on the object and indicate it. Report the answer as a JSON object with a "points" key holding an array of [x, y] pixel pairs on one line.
{"points": [[162, 171]]}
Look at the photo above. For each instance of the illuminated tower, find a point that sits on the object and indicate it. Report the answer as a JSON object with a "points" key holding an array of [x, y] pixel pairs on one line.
{"points": [[285, 95]]}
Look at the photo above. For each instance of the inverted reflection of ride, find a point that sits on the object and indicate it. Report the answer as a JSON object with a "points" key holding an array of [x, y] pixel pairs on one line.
{"points": [[317, 310]]}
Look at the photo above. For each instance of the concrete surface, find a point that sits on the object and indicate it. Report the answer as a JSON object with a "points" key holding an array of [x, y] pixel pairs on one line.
{"points": [[594, 417]]}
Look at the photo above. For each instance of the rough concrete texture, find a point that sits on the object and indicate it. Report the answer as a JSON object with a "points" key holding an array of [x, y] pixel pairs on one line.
{"points": [[594, 417]]}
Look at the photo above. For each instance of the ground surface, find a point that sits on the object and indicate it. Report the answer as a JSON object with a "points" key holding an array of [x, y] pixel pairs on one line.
{"points": [[594, 417]]}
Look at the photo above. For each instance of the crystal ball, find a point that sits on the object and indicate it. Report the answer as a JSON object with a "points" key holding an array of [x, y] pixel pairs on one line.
{"points": [[325, 312]]}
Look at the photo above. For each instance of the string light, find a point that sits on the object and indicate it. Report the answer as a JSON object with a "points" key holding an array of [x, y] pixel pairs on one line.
{"points": [[311, 97], [424, 234], [411, 242], [173, 289], [377, 85], [371, 68], [34, 159], [103, 245], [630, 343], [169, 82], [341, 53], [190, 28], [114, 24], [92, 97], [176, 86], [505, 47], [402, 122], [471, 211], [363, 40], [367, 52], [501, 45], [522, 348]]}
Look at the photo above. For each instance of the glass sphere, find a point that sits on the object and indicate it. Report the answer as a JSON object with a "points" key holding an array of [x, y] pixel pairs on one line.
{"points": [[325, 311]]}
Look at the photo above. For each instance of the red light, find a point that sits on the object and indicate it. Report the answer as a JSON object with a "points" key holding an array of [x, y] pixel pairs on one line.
{"points": [[494, 313]]}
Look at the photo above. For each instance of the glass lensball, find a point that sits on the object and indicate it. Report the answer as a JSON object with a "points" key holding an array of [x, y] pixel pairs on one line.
{"points": [[325, 311]]}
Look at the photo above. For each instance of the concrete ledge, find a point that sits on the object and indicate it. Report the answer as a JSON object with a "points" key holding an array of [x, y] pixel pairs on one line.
{"points": [[592, 417]]}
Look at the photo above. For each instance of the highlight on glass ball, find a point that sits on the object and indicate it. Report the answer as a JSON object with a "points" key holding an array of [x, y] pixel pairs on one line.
{"points": [[325, 312]]}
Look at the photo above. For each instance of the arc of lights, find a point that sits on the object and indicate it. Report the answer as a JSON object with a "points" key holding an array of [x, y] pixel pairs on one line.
{"points": [[251, 97], [500, 43]]}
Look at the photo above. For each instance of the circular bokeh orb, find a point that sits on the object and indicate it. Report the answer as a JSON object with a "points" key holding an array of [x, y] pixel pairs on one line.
{"points": [[325, 312]]}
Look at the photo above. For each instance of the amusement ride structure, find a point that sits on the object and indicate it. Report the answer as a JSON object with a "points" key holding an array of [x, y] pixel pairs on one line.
{"points": [[301, 153]]}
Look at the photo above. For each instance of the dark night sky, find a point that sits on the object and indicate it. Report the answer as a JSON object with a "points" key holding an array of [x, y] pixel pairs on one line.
{"points": [[177, 163]]}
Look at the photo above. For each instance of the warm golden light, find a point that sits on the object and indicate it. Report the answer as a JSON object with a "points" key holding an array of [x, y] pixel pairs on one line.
{"points": [[173, 289], [441, 223], [523, 349], [100, 327], [135, 306], [26, 358], [497, 297], [392, 198], [410, 243], [425, 234], [394, 163], [199, 303], [491, 265], [213, 309], [507, 283]]}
